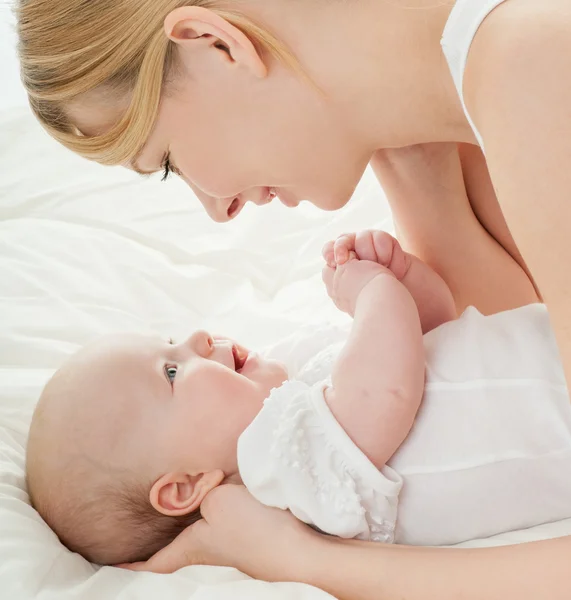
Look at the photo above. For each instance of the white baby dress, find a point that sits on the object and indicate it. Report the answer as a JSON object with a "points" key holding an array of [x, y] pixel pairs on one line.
{"points": [[490, 450]]}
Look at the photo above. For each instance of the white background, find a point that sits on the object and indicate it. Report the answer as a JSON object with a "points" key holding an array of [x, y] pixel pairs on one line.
{"points": [[11, 92]]}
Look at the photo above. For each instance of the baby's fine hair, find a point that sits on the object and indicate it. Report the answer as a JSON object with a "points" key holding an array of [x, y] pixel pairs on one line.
{"points": [[98, 509], [112, 50], [108, 526]]}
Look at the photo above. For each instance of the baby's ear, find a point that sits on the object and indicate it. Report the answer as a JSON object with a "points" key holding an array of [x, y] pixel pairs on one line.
{"points": [[176, 494]]}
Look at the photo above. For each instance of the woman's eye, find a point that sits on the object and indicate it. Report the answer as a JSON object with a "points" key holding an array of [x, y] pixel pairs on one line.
{"points": [[170, 372], [167, 168]]}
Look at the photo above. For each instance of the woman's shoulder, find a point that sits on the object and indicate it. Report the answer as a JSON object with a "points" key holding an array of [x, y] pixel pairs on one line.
{"points": [[519, 40], [522, 22]]}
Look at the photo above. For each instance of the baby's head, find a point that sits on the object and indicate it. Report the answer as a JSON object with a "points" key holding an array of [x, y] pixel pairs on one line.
{"points": [[132, 433]]}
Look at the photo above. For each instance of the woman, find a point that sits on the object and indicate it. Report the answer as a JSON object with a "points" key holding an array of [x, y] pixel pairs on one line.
{"points": [[205, 89], [248, 100], [270, 544]]}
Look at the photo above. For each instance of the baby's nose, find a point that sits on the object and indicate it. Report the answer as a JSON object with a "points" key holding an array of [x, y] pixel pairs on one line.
{"points": [[200, 342]]}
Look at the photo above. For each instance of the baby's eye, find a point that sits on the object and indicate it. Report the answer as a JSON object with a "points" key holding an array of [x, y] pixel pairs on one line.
{"points": [[170, 372]]}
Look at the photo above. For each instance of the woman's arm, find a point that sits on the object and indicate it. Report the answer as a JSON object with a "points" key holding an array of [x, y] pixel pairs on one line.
{"points": [[365, 571], [518, 90], [435, 221], [432, 296], [270, 544]]}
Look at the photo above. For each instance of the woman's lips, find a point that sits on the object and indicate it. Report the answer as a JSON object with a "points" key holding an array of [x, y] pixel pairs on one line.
{"points": [[234, 208]]}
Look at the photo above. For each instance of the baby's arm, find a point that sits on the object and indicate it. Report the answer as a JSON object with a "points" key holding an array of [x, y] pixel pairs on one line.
{"points": [[378, 380], [432, 296]]}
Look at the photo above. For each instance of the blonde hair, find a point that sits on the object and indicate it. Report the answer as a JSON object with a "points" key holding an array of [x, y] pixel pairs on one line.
{"points": [[69, 48]]}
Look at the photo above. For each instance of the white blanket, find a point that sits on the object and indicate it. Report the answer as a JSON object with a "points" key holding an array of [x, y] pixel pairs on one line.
{"points": [[86, 250]]}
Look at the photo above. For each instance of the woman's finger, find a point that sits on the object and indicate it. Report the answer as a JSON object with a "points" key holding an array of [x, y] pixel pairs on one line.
{"points": [[136, 566], [186, 549]]}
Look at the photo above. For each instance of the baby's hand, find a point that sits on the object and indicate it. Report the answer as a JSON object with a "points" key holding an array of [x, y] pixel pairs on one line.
{"points": [[345, 282], [370, 245]]}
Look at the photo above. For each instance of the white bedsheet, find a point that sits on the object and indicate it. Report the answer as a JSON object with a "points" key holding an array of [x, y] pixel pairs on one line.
{"points": [[86, 250]]}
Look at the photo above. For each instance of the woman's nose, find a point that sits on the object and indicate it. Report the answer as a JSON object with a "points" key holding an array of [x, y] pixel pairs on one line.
{"points": [[221, 210]]}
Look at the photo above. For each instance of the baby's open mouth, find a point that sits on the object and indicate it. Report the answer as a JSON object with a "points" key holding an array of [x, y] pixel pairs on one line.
{"points": [[240, 356]]}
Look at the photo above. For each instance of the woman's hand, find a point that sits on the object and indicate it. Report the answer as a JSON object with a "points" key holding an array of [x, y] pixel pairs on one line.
{"points": [[237, 531]]}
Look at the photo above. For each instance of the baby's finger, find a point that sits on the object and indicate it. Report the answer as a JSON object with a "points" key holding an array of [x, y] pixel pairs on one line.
{"points": [[384, 245], [330, 258], [364, 246], [343, 245], [339, 274], [328, 253], [328, 274]]}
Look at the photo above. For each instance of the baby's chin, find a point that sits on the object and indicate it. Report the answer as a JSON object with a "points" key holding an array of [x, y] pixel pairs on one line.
{"points": [[270, 374], [258, 367], [279, 371]]}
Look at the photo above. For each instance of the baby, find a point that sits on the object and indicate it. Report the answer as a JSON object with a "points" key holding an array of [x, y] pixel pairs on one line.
{"points": [[133, 432]]}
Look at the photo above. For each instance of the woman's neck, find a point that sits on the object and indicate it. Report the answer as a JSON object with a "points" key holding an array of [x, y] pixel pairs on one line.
{"points": [[379, 62], [408, 95]]}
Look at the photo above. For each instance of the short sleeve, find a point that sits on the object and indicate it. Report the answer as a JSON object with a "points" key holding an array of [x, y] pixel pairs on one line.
{"points": [[295, 456]]}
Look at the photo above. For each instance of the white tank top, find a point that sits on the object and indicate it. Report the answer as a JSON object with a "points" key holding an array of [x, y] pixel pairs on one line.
{"points": [[461, 28]]}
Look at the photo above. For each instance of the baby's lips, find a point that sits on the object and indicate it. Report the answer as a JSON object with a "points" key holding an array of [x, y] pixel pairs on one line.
{"points": [[240, 356]]}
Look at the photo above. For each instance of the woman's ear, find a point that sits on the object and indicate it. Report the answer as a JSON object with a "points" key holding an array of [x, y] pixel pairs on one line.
{"points": [[176, 494], [189, 26]]}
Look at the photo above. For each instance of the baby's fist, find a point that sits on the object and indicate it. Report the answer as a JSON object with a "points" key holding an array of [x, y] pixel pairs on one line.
{"points": [[371, 245], [345, 282]]}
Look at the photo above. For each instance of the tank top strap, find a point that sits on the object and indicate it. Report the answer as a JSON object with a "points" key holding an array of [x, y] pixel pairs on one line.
{"points": [[461, 28]]}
